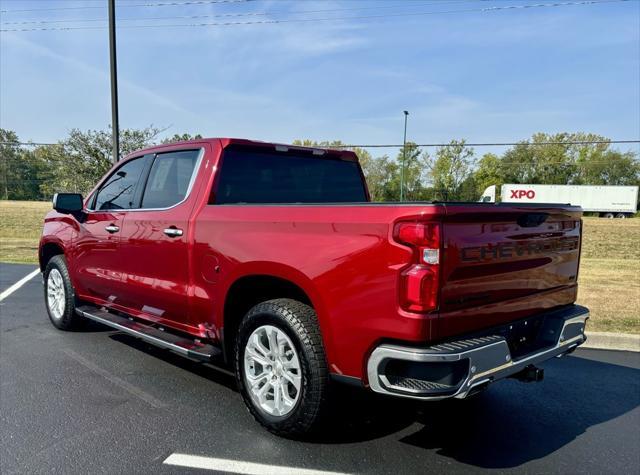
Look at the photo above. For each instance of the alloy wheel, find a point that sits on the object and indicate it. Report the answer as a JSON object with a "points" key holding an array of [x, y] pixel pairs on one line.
{"points": [[56, 298], [272, 371]]}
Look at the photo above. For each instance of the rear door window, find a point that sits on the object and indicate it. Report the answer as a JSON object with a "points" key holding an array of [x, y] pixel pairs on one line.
{"points": [[170, 178], [248, 176]]}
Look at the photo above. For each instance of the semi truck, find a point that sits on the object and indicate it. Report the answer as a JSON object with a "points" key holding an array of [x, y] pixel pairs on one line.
{"points": [[608, 201]]}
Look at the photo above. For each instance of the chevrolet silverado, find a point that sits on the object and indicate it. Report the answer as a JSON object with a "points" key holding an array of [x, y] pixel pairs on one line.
{"points": [[271, 259]]}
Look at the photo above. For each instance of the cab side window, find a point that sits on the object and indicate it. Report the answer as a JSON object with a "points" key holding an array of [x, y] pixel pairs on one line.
{"points": [[119, 190], [169, 179]]}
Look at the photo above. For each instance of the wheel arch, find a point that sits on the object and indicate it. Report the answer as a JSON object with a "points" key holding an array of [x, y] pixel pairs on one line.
{"points": [[251, 288], [47, 251]]}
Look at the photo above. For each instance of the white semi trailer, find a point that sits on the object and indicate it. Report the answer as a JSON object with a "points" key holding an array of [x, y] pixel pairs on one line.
{"points": [[609, 201]]}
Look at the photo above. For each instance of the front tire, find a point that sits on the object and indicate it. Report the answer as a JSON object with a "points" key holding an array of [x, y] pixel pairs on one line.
{"points": [[281, 367], [59, 295]]}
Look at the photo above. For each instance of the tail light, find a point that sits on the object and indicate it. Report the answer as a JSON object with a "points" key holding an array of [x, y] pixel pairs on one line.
{"points": [[419, 281]]}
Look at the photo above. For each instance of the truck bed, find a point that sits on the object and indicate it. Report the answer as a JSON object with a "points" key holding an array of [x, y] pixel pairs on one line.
{"points": [[345, 258]]}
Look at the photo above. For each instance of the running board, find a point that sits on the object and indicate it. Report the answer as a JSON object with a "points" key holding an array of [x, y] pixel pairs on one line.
{"points": [[163, 339]]}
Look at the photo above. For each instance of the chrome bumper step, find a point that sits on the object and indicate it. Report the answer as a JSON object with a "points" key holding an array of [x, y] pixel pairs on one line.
{"points": [[163, 339], [457, 368]]}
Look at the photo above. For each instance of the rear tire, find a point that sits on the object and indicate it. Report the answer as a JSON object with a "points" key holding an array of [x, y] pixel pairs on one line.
{"points": [[621, 216], [608, 215], [59, 296], [281, 367]]}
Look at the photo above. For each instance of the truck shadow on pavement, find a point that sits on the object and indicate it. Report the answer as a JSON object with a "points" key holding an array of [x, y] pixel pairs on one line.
{"points": [[506, 426], [207, 371], [89, 326]]}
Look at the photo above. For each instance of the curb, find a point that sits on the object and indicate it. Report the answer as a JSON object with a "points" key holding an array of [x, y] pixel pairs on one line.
{"points": [[612, 341]]}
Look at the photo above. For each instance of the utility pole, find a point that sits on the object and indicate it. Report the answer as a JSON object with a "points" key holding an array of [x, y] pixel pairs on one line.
{"points": [[404, 156], [115, 126]]}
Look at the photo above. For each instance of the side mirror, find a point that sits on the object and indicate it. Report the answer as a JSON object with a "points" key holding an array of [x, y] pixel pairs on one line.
{"points": [[68, 203]]}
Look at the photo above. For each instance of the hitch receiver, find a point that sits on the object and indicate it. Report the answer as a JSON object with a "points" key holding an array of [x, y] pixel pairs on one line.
{"points": [[530, 374]]}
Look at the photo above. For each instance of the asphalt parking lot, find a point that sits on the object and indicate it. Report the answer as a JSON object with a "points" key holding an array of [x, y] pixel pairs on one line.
{"points": [[97, 401]]}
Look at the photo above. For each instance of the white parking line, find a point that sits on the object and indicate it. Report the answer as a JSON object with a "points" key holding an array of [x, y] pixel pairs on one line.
{"points": [[238, 466], [18, 284]]}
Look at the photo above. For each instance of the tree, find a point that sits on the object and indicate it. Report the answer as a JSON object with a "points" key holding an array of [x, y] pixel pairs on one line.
{"points": [[611, 168], [415, 177], [51, 178], [449, 169], [597, 164], [535, 161], [79, 161], [181, 138], [378, 172], [9, 153], [488, 172], [19, 169], [566, 163]]}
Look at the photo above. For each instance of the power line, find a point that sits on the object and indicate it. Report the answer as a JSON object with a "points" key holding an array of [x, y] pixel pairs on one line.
{"points": [[537, 165], [493, 144], [35, 144], [159, 4], [187, 17], [425, 145], [244, 14], [306, 20]]}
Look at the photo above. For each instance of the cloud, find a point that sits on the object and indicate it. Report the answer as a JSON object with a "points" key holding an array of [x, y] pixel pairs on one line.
{"points": [[485, 76], [152, 97]]}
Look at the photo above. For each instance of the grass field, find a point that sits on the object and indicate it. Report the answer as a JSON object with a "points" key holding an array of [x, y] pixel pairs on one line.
{"points": [[20, 229], [609, 282], [609, 273]]}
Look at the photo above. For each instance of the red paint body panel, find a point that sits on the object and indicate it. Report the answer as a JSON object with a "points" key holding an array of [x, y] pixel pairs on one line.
{"points": [[343, 256], [97, 265], [348, 269]]}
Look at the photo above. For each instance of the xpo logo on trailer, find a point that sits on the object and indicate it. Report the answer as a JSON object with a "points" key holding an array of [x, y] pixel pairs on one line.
{"points": [[521, 194], [609, 201]]}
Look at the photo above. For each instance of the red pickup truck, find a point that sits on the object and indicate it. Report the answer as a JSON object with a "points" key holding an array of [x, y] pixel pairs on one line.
{"points": [[271, 259]]}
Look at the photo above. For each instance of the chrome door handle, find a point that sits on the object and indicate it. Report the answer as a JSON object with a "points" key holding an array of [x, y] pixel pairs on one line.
{"points": [[173, 232], [112, 228]]}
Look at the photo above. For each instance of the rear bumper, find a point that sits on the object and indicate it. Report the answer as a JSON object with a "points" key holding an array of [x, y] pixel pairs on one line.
{"points": [[459, 368]]}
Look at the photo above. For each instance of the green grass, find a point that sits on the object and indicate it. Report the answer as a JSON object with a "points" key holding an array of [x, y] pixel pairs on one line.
{"points": [[609, 282], [20, 230]]}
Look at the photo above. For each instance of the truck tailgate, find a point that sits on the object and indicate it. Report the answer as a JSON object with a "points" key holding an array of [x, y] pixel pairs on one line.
{"points": [[506, 262]]}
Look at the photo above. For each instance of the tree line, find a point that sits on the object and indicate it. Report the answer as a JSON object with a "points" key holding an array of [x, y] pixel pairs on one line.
{"points": [[455, 173], [448, 173]]}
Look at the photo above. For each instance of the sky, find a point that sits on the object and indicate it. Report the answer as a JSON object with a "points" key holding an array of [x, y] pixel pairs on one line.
{"points": [[485, 76]]}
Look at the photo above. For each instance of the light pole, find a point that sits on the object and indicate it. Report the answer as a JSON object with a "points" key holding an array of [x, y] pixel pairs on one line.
{"points": [[115, 126], [404, 155]]}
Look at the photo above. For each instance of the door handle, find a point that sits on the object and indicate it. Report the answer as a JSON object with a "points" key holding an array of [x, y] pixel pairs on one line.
{"points": [[112, 228], [173, 232]]}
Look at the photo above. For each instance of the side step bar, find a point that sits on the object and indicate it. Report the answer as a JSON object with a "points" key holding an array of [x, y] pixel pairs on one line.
{"points": [[163, 339]]}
